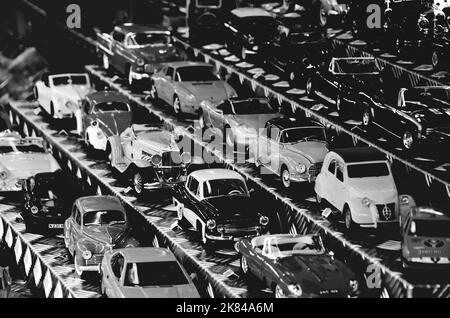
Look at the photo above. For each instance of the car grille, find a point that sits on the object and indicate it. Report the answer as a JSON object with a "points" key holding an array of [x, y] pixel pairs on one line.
{"points": [[314, 170], [386, 212], [236, 229]]}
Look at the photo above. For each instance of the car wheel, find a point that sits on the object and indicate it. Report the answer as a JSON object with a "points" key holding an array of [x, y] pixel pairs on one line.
{"points": [[435, 59], [153, 91], [138, 182], [408, 140], [177, 105], [348, 220], [285, 177], [310, 87], [278, 291], [366, 117], [244, 266]]}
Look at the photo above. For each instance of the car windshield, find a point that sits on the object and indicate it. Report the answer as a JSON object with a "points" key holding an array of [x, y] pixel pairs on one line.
{"points": [[429, 97], [154, 274], [283, 247], [253, 107], [144, 39], [356, 66], [367, 170], [103, 218], [14, 148], [111, 107], [430, 228], [302, 134], [196, 74], [222, 187], [70, 80], [297, 38]]}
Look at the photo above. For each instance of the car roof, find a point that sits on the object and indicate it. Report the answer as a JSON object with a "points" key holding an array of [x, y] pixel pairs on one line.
{"points": [[139, 28], [179, 64], [215, 174], [286, 123], [361, 154], [427, 213], [106, 96], [99, 203], [250, 12], [147, 254]]}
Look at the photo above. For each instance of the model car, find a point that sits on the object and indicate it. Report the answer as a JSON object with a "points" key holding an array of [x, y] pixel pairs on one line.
{"points": [[217, 204], [361, 13], [22, 158], [441, 46], [185, 84], [48, 198], [150, 157], [145, 272], [96, 224], [104, 114], [292, 149], [359, 183], [237, 120], [425, 238], [60, 95], [296, 266], [136, 50]]}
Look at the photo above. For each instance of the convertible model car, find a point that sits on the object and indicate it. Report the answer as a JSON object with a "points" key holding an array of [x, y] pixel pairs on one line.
{"points": [[296, 266], [185, 84], [104, 114], [359, 183], [136, 50], [237, 120], [292, 149], [96, 224], [217, 204], [22, 158], [426, 238], [60, 95], [150, 157], [145, 273]]}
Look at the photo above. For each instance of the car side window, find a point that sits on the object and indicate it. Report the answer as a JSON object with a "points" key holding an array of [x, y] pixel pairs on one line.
{"points": [[77, 216], [332, 167], [169, 72], [45, 79], [118, 36], [340, 172], [117, 263], [86, 106], [193, 185], [225, 107]]}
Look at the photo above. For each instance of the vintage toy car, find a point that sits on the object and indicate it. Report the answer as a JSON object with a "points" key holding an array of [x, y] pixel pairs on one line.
{"points": [[290, 265], [217, 204], [292, 149], [185, 84], [145, 272], [441, 46], [360, 184], [237, 120], [425, 238], [22, 158], [96, 224], [60, 95], [150, 157], [136, 50], [48, 198], [104, 114]]}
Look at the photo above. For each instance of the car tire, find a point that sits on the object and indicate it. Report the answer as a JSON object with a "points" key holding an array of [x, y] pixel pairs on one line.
{"points": [[309, 87], [348, 220], [278, 291], [131, 82], [138, 182], [153, 91], [107, 153], [408, 140], [66, 241], [285, 177], [177, 106]]}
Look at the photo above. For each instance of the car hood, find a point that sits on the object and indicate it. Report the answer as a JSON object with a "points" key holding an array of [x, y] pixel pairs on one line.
{"points": [[113, 123], [106, 234], [314, 151], [434, 247], [234, 208], [23, 165], [74, 93], [433, 116], [381, 189], [257, 121], [157, 143], [214, 91], [363, 82], [157, 53], [182, 291]]}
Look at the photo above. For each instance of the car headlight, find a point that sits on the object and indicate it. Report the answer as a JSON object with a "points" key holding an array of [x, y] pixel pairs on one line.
{"points": [[87, 254], [404, 200], [34, 209], [423, 22], [366, 202], [264, 220], [186, 158], [140, 62], [3, 175], [354, 285], [295, 290], [156, 160], [211, 224], [301, 168], [94, 123]]}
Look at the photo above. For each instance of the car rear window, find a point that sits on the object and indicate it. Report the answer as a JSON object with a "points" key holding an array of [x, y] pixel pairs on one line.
{"points": [[196, 74], [430, 228], [155, 274], [111, 107], [367, 170]]}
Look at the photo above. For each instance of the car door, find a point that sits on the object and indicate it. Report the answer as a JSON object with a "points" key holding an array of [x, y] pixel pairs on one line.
{"points": [[164, 83], [256, 262], [192, 188]]}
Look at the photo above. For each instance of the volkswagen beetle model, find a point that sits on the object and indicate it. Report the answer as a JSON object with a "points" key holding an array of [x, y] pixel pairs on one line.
{"points": [[104, 114], [60, 95], [145, 272], [183, 85], [425, 238], [136, 51], [296, 266], [22, 158], [96, 224], [150, 157], [237, 120], [359, 183], [292, 149], [217, 204]]}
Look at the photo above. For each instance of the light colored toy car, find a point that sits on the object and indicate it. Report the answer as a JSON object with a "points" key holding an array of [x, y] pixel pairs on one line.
{"points": [[359, 183]]}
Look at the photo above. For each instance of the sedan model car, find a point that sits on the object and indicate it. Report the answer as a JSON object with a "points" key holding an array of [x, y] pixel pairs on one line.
{"points": [[292, 149], [426, 238], [217, 204], [296, 266], [150, 157], [96, 224], [185, 84], [22, 158], [136, 50], [104, 114], [360, 184], [145, 273], [60, 95]]}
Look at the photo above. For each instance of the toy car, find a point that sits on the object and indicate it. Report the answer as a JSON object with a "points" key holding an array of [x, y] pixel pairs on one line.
{"points": [[292, 149], [96, 224], [296, 266], [60, 95], [150, 157], [217, 204], [145, 272], [359, 183], [22, 158], [184, 85], [441, 46]]}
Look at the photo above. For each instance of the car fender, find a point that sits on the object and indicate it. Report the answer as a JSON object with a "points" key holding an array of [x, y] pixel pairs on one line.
{"points": [[142, 164], [404, 208], [318, 185], [99, 144]]}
